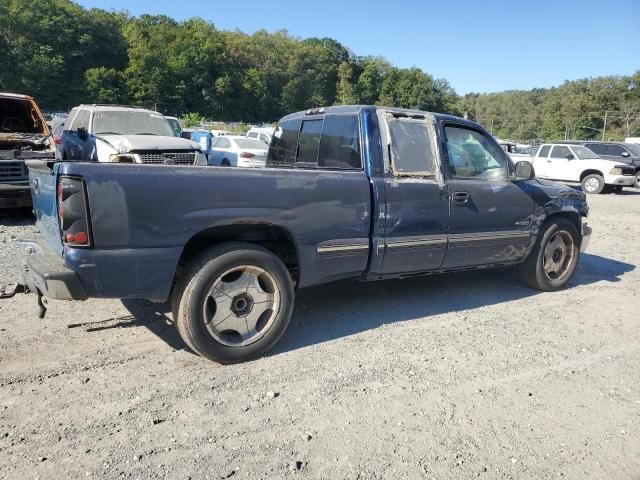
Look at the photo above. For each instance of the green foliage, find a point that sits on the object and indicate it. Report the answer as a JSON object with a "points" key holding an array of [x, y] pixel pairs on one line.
{"points": [[190, 120], [574, 110], [64, 55]]}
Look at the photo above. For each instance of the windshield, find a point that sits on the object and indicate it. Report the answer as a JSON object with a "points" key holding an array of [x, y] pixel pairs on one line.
{"points": [[123, 122], [583, 153], [251, 143]]}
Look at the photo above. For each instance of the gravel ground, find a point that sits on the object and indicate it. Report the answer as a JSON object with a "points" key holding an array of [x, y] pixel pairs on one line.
{"points": [[459, 376]]}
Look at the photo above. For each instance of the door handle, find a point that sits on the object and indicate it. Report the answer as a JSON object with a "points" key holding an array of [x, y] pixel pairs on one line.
{"points": [[461, 198]]}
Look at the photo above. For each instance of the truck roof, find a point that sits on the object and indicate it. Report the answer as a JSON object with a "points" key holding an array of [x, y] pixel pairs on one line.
{"points": [[15, 95], [355, 109], [97, 106]]}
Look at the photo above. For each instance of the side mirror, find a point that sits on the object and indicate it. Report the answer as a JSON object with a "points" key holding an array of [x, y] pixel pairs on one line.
{"points": [[82, 133], [570, 156], [525, 171], [625, 154]]}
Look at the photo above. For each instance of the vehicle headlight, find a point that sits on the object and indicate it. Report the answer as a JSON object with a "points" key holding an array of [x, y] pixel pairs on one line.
{"points": [[122, 158], [615, 171], [201, 159]]}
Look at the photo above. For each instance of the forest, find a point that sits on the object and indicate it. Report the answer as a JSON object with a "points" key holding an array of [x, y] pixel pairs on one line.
{"points": [[64, 55]]}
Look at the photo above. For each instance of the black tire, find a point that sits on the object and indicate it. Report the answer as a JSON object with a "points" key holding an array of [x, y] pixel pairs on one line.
{"points": [[225, 163], [637, 184], [589, 184], [532, 271], [192, 291]]}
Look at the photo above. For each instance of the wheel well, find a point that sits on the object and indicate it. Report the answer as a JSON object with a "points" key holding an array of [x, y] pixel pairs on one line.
{"points": [[571, 216], [590, 172], [275, 239]]}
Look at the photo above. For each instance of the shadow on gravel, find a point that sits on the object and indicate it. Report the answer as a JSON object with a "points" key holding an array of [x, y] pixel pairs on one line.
{"points": [[156, 317], [338, 310], [345, 308]]}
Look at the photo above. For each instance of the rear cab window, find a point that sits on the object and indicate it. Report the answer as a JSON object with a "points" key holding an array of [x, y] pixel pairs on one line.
{"points": [[330, 143]]}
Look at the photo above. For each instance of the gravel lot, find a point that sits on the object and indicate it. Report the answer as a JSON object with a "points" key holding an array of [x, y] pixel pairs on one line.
{"points": [[458, 376]]}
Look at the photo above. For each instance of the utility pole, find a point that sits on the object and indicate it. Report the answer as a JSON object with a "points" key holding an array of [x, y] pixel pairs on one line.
{"points": [[491, 130], [604, 127]]}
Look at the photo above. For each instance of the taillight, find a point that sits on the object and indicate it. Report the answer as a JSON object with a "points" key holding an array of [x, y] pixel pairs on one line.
{"points": [[247, 154], [72, 212], [57, 140]]}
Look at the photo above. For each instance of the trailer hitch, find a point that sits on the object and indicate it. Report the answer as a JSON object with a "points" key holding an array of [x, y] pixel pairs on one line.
{"points": [[9, 291]]}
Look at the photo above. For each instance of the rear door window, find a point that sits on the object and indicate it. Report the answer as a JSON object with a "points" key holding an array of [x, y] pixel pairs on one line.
{"points": [[340, 142], [309, 142], [284, 144], [598, 148], [544, 151]]}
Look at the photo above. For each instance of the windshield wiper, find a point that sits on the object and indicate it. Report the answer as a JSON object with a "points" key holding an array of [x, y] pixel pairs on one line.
{"points": [[145, 133]]}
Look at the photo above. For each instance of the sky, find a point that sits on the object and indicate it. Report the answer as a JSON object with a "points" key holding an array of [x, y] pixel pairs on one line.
{"points": [[478, 46]]}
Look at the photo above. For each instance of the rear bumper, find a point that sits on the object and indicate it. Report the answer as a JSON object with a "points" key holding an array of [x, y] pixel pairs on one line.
{"points": [[15, 195], [586, 237], [45, 272]]}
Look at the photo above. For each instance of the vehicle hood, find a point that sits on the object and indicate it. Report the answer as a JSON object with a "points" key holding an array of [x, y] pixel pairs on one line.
{"points": [[132, 143], [554, 196]]}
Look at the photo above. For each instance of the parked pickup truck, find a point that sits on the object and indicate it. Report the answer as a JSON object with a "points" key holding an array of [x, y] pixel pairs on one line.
{"points": [[349, 192]]}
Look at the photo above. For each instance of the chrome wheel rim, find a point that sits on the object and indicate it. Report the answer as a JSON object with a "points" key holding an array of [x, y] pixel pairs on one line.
{"points": [[592, 184], [559, 255], [241, 305]]}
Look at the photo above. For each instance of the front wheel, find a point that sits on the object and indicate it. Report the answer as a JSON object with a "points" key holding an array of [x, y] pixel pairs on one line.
{"points": [[554, 257], [234, 302], [593, 184], [637, 184]]}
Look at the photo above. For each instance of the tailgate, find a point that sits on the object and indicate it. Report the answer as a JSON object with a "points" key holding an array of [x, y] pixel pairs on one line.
{"points": [[42, 180]]}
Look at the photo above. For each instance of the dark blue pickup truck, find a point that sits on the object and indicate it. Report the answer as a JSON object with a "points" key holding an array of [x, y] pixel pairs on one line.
{"points": [[349, 192]]}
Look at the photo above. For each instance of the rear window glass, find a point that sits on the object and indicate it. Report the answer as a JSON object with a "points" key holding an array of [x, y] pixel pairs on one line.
{"points": [[284, 143], [340, 142], [411, 149], [544, 151], [309, 141]]}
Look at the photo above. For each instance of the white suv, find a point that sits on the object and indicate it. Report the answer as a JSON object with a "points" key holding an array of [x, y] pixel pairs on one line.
{"points": [[575, 164]]}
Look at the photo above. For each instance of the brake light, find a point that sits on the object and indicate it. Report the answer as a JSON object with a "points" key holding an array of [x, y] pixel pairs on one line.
{"points": [[72, 211], [247, 154], [57, 140]]}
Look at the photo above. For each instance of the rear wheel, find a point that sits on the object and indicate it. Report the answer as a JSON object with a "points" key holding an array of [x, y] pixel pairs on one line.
{"points": [[637, 184], [225, 163], [593, 184], [554, 257], [234, 302]]}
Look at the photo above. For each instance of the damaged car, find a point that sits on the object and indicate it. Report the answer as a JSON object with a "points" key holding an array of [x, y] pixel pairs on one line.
{"points": [[23, 134]]}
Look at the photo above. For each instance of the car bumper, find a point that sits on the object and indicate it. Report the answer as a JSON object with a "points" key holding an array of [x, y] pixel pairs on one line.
{"points": [[45, 272], [586, 237], [15, 195], [623, 180]]}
